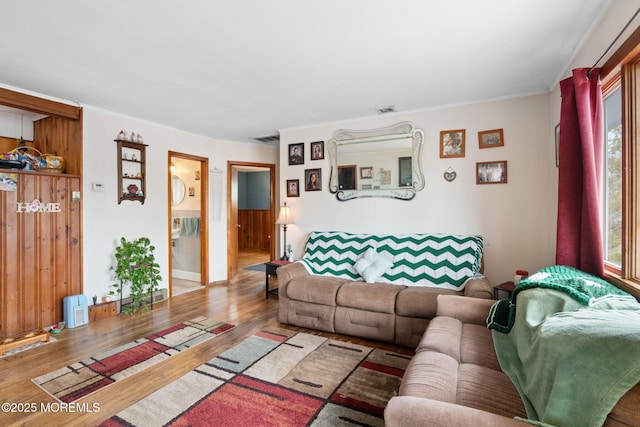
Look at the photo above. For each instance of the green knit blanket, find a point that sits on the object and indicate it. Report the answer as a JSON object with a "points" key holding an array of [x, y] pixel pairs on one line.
{"points": [[572, 345], [584, 288]]}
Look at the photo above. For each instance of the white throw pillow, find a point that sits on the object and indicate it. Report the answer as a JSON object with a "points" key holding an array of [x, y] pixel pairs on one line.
{"points": [[372, 265]]}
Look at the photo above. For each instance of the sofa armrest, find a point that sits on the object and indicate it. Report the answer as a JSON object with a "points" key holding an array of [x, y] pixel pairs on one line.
{"points": [[478, 288], [290, 271], [402, 411], [465, 309]]}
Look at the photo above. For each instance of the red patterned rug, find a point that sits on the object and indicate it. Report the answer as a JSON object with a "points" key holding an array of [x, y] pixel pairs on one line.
{"points": [[277, 378], [83, 378]]}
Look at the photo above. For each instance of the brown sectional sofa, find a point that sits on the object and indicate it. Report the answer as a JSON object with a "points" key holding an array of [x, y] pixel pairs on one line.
{"points": [[455, 379], [324, 291], [379, 311]]}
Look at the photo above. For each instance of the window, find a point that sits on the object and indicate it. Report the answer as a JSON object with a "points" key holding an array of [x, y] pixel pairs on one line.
{"points": [[612, 174], [621, 172]]}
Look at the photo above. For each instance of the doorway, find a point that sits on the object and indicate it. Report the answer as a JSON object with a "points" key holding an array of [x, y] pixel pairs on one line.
{"points": [[251, 214], [188, 222]]}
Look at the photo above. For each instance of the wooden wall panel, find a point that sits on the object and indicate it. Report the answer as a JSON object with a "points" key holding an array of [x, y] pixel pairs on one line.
{"points": [[60, 137], [42, 253], [254, 229]]}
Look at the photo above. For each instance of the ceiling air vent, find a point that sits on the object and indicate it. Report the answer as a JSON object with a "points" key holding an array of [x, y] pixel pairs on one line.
{"points": [[389, 109], [268, 138]]}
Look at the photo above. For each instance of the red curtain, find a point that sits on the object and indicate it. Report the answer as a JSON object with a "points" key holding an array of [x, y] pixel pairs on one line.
{"points": [[579, 232]]}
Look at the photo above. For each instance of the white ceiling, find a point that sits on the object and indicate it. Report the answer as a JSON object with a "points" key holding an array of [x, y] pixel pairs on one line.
{"points": [[239, 69]]}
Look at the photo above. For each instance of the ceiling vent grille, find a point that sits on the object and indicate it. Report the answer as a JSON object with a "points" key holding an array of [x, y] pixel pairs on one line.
{"points": [[268, 138], [389, 109]]}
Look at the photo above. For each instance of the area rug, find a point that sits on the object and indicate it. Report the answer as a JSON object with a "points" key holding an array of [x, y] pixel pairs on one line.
{"points": [[257, 267], [83, 378], [277, 378]]}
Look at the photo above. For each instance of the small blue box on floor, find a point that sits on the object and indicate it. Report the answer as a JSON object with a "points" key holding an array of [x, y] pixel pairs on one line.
{"points": [[76, 311]]}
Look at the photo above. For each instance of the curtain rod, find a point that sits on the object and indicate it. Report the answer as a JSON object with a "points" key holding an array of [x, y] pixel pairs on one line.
{"points": [[613, 43]]}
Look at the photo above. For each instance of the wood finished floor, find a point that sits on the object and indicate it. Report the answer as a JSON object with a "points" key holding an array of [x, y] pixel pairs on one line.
{"points": [[240, 301]]}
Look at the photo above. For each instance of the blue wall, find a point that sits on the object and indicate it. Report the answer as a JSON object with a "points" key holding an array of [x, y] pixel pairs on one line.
{"points": [[253, 190]]}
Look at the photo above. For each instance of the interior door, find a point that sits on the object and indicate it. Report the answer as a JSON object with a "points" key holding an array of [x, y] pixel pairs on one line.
{"points": [[232, 211], [232, 233]]}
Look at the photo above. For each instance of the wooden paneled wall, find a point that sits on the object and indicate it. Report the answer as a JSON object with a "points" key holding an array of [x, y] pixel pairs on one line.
{"points": [[60, 137], [254, 232], [41, 260]]}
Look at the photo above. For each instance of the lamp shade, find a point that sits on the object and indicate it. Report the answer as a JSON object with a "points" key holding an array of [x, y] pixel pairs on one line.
{"points": [[284, 216]]}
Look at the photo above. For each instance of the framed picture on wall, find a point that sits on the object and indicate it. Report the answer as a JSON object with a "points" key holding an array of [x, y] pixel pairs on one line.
{"points": [[452, 143], [491, 172], [491, 138], [296, 154], [293, 188], [366, 172], [347, 177], [317, 150], [313, 179]]}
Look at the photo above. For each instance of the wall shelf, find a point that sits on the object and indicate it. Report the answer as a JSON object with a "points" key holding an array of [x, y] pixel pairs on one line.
{"points": [[131, 171]]}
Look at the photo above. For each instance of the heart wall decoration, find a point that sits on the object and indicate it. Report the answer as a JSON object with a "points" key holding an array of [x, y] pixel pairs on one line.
{"points": [[450, 175]]}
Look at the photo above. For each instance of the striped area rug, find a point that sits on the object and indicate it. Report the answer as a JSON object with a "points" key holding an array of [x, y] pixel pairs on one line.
{"points": [[277, 378], [83, 378]]}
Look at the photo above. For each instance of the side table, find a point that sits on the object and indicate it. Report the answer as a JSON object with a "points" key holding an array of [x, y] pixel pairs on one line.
{"points": [[506, 287], [270, 269]]}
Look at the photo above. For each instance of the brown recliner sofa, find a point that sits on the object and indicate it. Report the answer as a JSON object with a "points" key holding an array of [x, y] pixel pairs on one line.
{"points": [[379, 311], [455, 379]]}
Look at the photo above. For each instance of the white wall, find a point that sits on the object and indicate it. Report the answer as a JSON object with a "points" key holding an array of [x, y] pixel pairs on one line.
{"points": [[517, 219], [105, 221]]}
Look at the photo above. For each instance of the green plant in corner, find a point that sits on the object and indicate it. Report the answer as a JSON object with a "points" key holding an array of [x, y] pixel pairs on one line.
{"points": [[136, 267]]}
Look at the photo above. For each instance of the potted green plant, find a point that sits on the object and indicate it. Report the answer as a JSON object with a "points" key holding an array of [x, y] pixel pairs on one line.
{"points": [[136, 267]]}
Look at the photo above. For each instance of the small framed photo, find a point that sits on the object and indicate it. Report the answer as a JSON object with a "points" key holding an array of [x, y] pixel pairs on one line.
{"points": [[405, 176], [347, 177], [491, 172], [296, 154], [313, 179], [452, 143], [197, 175], [491, 138], [317, 150], [192, 192], [293, 188], [366, 172]]}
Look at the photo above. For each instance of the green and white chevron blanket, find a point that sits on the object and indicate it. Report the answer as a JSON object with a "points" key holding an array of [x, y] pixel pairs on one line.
{"points": [[438, 260]]}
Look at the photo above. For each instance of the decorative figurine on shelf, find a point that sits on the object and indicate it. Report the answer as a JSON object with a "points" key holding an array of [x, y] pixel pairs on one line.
{"points": [[133, 157], [122, 136], [133, 189], [133, 137], [140, 140]]}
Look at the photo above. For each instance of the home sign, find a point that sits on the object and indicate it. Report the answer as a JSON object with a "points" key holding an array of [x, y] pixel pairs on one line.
{"points": [[36, 206]]}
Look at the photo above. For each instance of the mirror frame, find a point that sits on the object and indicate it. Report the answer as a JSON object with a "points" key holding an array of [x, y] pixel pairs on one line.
{"points": [[173, 195], [397, 132]]}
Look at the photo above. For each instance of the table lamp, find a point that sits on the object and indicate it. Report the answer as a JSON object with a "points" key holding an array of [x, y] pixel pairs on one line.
{"points": [[285, 218]]}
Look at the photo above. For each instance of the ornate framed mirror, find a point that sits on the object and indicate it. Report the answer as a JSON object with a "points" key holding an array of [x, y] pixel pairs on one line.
{"points": [[382, 162]]}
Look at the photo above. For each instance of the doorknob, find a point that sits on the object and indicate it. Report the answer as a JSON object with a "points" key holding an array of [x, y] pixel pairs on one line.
{"points": [[237, 225]]}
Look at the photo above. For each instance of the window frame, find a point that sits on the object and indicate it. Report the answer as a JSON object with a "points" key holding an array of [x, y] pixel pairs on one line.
{"points": [[623, 70]]}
